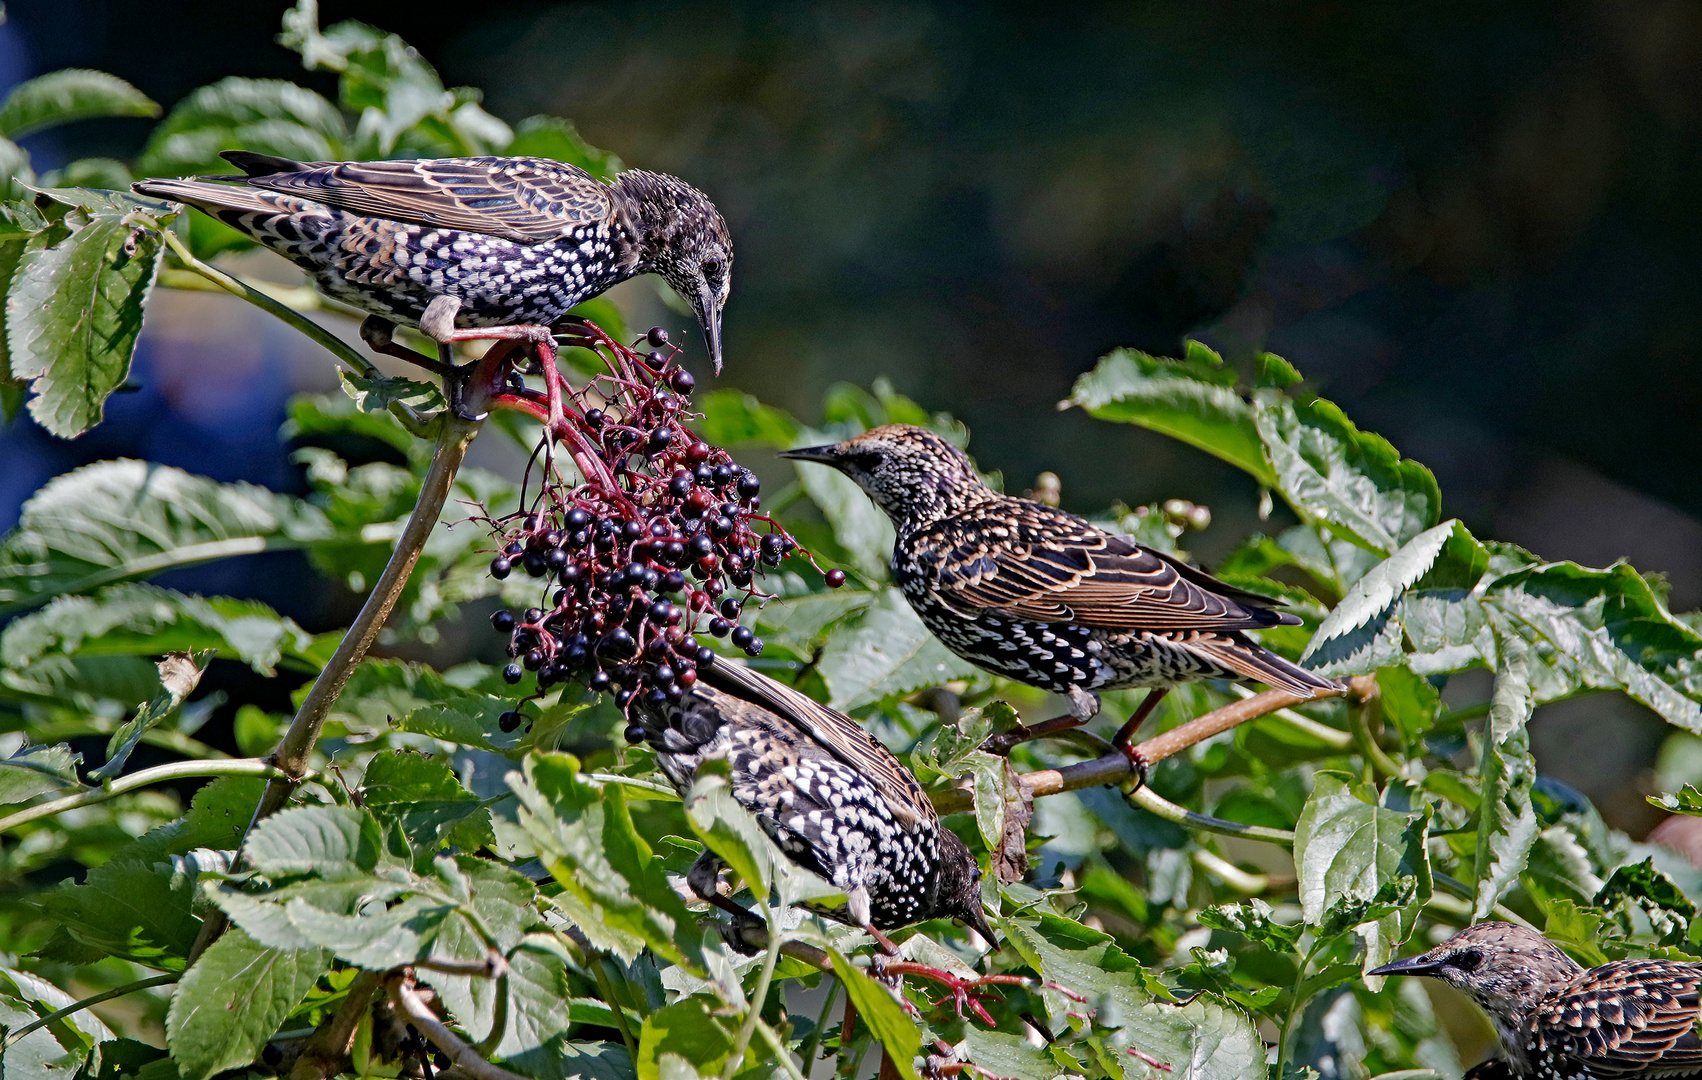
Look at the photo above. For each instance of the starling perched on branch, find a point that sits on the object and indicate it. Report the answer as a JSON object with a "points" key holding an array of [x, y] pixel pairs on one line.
{"points": [[832, 797], [471, 248], [1043, 597], [1560, 1021]]}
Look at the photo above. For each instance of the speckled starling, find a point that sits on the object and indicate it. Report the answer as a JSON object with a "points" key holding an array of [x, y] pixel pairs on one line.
{"points": [[1560, 1021], [1043, 597], [472, 247], [833, 799]]}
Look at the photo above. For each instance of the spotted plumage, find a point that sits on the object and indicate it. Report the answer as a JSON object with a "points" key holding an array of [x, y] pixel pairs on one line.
{"points": [[1044, 597], [1560, 1021], [511, 241], [833, 799]]}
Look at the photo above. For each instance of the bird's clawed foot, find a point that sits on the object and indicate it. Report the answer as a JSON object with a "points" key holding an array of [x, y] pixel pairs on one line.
{"points": [[959, 991], [379, 335], [1124, 739]]}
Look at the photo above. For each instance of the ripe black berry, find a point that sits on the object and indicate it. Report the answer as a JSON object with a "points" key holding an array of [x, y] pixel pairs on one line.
{"points": [[500, 567], [742, 636], [634, 732], [682, 382], [754, 648], [835, 578], [730, 608], [656, 361], [512, 673], [534, 563], [749, 485], [673, 581], [534, 659], [599, 680], [502, 621], [623, 699], [719, 627], [534, 614], [705, 657], [556, 559]]}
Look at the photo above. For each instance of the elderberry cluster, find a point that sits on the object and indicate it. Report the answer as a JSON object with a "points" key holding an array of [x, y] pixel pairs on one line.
{"points": [[640, 570]]}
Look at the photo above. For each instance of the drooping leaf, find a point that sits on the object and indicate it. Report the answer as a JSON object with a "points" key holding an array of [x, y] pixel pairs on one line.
{"points": [[1604, 629], [61, 97], [74, 308], [885, 651], [1201, 1040], [233, 1000], [1193, 400], [885, 1017], [423, 796], [180, 674], [1507, 822]]}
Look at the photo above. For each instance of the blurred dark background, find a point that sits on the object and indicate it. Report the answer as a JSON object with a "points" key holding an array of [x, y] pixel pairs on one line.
{"points": [[1474, 226]]}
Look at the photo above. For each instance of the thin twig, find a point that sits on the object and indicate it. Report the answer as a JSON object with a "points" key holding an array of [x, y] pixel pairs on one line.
{"points": [[338, 347], [296, 748], [461, 1055], [176, 770], [605, 986], [327, 1049], [759, 997], [1152, 801], [78, 1006], [1114, 768]]}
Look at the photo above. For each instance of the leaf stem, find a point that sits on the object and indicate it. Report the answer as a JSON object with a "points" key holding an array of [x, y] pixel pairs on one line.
{"points": [[176, 770], [778, 1046], [1381, 763], [759, 998], [296, 748], [338, 348], [1148, 799], [607, 989], [79, 1006]]}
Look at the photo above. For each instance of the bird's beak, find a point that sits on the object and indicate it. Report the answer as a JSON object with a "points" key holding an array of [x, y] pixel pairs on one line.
{"points": [[712, 328], [1422, 964], [826, 455], [976, 920]]}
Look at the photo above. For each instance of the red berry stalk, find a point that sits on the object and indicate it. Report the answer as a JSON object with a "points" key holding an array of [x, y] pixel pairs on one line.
{"points": [[647, 547]]}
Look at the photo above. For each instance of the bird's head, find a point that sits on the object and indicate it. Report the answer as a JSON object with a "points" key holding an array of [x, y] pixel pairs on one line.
{"points": [[959, 888], [685, 240], [911, 473], [1503, 967]]}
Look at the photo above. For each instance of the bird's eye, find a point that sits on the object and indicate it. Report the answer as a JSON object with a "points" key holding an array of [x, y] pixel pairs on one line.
{"points": [[1467, 960], [712, 268]]}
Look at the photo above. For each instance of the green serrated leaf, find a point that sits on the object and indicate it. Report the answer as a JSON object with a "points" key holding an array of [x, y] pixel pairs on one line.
{"points": [[333, 841], [127, 909], [1193, 400], [266, 116], [1507, 822], [74, 310], [1253, 920], [697, 1030], [423, 797], [114, 520], [885, 651], [38, 770], [1359, 862], [1351, 480], [233, 1000], [885, 1016], [61, 97]]}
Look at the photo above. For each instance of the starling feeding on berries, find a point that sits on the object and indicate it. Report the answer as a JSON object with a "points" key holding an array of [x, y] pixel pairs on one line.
{"points": [[1043, 597], [1560, 1021], [832, 797], [493, 244]]}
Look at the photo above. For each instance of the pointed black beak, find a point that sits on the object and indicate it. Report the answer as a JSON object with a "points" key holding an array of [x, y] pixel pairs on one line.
{"points": [[712, 328], [976, 920], [826, 455], [1422, 964]]}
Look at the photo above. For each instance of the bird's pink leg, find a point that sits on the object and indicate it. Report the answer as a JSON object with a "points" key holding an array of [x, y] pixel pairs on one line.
{"points": [[1123, 740]]}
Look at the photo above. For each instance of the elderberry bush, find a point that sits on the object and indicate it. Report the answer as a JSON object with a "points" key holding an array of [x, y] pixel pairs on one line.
{"points": [[655, 541]]}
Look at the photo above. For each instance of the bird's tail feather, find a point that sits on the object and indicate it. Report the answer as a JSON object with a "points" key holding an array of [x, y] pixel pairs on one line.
{"points": [[210, 197], [1251, 661]]}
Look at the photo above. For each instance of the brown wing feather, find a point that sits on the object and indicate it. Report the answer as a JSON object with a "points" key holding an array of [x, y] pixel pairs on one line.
{"points": [[527, 200], [1055, 567], [835, 732], [1605, 1023]]}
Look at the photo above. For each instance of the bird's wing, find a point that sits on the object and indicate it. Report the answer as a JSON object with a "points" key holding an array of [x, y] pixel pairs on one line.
{"points": [[836, 733], [1629, 1018], [1026, 560], [527, 200]]}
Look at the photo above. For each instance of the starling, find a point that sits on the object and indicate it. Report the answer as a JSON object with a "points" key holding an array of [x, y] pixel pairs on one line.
{"points": [[1046, 598], [1560, 1021], [467, 248], [832, 797]]}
